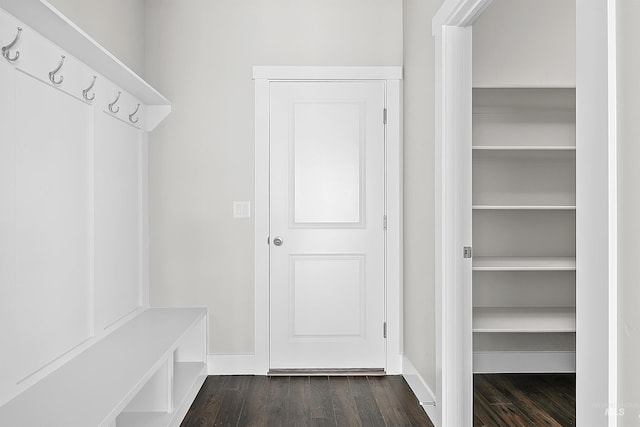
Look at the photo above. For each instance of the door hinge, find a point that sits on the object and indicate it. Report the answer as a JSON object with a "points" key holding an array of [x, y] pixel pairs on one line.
{"points": [[384, 116], [384, 329], [384, 222], [467, 252]]}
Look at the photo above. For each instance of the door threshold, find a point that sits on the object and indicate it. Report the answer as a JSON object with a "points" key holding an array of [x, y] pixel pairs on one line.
{"points": [[351, 372]]}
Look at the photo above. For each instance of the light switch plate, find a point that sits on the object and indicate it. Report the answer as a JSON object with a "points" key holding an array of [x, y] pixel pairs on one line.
{"points": [[242, 209]]}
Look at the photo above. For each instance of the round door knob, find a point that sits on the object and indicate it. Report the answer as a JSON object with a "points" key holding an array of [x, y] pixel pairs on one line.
{"points": [[278, 241]]}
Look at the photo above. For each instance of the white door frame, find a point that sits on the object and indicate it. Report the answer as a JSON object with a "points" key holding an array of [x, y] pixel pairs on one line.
{"points": [[262, 76], [596, 348]]}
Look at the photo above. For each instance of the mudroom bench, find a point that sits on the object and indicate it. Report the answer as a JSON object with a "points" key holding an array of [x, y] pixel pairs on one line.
{"points": [[145, 373]]}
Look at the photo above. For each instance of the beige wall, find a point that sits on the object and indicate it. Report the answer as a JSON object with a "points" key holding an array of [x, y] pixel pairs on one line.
{"points": [[628, 76], [525, 43], [419, 187], [199, 54], [118, 25]]}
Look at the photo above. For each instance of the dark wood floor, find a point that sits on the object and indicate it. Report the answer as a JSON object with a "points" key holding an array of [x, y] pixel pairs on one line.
{"points": [[514, 400], [500, 400], [305, 401]]}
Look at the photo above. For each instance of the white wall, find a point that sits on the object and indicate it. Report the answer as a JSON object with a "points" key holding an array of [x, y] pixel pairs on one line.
{"points": [[200, 55], [628, 63], [419, 187], [118, 25], [525, 43]]}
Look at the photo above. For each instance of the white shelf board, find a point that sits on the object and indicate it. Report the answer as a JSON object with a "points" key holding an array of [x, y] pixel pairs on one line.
{"points": [[185, 374], [524, 319], [188, 378], [95, 386], [524, 147], [41, 16], [525, 207], [531, 85], [524, 263], [524, 362]]}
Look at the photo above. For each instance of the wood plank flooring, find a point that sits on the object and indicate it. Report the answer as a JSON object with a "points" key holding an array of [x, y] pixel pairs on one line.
{"points": [[524, 400], [500, 400], [305, 401]]}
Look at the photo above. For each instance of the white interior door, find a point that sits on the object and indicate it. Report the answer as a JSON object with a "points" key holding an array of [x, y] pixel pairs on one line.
{"points": [[327, 201]]}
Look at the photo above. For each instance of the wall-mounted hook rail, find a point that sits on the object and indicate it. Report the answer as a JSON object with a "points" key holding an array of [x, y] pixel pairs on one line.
{"points": [[7, 48], [85, 92], [133, 114], [113, 104], [52, 74]]}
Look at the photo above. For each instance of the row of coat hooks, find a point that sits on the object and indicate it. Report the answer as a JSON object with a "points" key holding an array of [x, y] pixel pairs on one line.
{"points": [[57, 80]]}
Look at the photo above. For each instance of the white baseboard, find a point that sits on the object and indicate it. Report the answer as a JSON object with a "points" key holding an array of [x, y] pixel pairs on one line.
{"points": [[421, 389], [526, 362], [231, 364]]}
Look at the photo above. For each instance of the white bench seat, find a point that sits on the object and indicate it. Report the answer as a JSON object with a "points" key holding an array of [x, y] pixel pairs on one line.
{"points": [[147, 372]]}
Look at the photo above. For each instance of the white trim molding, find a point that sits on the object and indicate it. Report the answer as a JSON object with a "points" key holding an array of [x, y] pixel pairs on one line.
{"points": [[327, 73], [524, 362], [393, 182], [458, 13], [454, 361]]}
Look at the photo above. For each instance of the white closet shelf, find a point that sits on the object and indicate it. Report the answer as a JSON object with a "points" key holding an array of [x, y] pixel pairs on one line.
{"points": [[526, 207], [52, 24], [524, 264], [95, 386], [529, 85], [524, 319], [524, 147]]}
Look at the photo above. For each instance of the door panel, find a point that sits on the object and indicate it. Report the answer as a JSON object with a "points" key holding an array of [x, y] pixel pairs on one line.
{"points": [[327, 149], [327, 207], [315, 281]]}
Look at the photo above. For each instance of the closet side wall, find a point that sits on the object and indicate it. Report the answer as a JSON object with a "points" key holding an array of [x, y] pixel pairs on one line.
{"points": [[419, 187], [628, 63]]}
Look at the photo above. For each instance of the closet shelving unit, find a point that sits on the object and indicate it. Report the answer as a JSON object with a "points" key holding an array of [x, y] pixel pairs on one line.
{"points": [[523, 209]]}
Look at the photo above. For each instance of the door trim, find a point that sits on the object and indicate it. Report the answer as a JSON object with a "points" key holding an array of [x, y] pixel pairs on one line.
{"points": [[393, 186], [452, 30]]}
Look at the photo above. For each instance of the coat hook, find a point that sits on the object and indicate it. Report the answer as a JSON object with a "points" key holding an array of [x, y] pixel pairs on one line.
{"points": [[5, 49], [85, 93], [133, 114], [115, 110], [52, 74]]}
